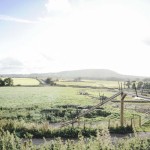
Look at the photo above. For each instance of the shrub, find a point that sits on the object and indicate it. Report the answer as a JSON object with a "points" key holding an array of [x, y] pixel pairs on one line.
{"points": [[50, 82], [121, 129], [97, 113], [6, 82], [9, 141]]}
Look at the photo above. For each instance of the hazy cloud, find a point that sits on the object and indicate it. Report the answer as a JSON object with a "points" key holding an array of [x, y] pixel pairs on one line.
{"points": [[58, 5], [46, 57], [147, 42], [14, 19], [8, 65], [93, 34]]}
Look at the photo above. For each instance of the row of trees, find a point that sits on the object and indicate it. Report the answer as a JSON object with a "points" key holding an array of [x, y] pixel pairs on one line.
{"points": [[6, 82], [138, 85]]}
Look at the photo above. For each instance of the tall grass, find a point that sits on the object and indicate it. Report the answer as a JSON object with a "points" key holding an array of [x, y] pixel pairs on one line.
{"points": [[103, 141]]}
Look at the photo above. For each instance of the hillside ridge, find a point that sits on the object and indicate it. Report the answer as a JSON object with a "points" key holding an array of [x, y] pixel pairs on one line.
{"points": [[83, 73]]}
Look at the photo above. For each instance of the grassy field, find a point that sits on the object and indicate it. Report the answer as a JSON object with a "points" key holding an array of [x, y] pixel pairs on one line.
{"points": [[25, 101], [25, 81], [42, 96], [92, 83], [48, 96], [26, 109]]}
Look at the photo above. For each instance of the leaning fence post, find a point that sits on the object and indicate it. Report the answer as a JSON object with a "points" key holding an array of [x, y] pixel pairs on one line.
{"points": [[78, 122], [108, 123], [140, 121], [72, 124], [84, 124], [131, 122], [123, 95]]}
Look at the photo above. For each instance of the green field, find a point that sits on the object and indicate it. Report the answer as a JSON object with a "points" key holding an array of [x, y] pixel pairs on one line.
{"points": [[21, 99], [25, 81], [92, 83], [38, 111], [42, 96]]}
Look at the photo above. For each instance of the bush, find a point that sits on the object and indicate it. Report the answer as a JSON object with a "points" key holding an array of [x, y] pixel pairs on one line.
{"points": [[9, 141], [6, 82], [57, 114], [97, 113], [102, 141], [41, 131], [121, 129], [50, 82]]}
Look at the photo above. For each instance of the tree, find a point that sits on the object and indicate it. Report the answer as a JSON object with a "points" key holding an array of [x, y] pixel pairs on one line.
{"points": [[139, 85], [49, 81], [128, 83], [1, 82], [133, 85], [77, 79], [146, 85], [8, 82]]}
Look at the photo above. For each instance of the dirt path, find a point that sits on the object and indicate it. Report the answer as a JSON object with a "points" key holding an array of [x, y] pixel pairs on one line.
{"points": [[114, 137]]}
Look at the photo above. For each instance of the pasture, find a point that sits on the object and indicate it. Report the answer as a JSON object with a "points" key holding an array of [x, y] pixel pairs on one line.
{"points": [[91, 83], [38, 111], [25, 100], [25, 82], [22, 102], [42, 96]]}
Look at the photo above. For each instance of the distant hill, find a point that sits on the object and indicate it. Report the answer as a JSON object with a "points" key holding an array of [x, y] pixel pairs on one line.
{"points": [[95, 74], [103, 74], [89, 74]]}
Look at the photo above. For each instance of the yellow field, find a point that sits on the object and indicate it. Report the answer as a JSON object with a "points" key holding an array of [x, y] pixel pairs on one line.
{"points": [[25, 81]]}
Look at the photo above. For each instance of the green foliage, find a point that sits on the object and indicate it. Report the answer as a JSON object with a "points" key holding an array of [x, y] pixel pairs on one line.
{"points": [[58, 114], [6, 82], [121, 129], [133, 85], [102, 141], [97, 113], [50, 82], [139, 85], [146, 85], [102, 97], [77, 79], [9, 141], [69, 112], [47, 132], [2, 82], [128, 84]]}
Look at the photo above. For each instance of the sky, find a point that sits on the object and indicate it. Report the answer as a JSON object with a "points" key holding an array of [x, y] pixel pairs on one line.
{"points": [[38, 36]]}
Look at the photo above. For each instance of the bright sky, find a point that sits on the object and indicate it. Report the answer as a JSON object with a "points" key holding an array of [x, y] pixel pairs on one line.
{"points": [[57, 35]]}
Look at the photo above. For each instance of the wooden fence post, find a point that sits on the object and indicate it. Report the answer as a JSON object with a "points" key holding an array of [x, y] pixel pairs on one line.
{"points": [[123, 95], [131, 122], [108, 123], [78, 122], [140, 121]]}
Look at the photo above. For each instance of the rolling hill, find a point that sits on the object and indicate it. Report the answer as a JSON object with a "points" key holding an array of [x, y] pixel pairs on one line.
{"points": [[103, 74], [95, 74]]}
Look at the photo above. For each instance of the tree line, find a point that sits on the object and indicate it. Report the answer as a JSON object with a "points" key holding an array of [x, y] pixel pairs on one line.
{"points": [[138, 85], [6, 82]]}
